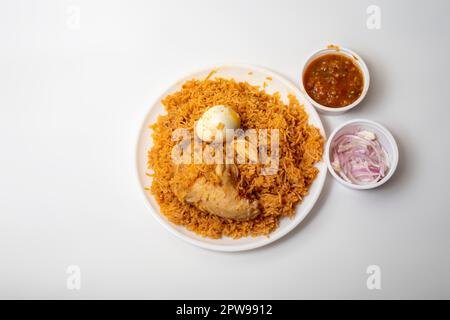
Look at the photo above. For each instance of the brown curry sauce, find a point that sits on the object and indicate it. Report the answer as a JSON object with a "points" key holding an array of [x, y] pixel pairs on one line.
{"points": [[333, 80]]}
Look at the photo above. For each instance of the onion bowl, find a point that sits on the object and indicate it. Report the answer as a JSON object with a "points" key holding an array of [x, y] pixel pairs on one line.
{"points": [[385, 139]]}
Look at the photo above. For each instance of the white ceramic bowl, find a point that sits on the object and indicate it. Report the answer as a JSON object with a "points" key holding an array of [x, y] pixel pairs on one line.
{"points": [[255, 76], [385, 138], [356, 59]]}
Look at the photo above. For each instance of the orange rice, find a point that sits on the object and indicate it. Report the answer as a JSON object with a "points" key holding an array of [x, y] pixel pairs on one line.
{"points": [[300, 145]]}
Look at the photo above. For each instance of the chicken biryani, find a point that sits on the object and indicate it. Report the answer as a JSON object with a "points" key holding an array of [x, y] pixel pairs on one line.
{"points": [[245, 196]]}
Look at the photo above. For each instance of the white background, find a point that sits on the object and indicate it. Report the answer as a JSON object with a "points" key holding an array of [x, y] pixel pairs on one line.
{"points": [[71, 104]]}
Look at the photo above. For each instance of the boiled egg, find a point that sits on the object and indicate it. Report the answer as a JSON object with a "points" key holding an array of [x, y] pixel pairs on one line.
{"points": [[213, 123]]}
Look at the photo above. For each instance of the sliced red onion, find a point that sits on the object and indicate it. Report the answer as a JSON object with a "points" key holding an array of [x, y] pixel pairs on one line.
{"points": [[359, 158]]}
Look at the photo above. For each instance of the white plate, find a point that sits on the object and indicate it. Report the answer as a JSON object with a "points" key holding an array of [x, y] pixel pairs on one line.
{"points": [[257, 77]]}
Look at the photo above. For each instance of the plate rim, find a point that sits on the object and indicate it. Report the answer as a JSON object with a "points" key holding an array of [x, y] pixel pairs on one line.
{"points": [[296, 220]]}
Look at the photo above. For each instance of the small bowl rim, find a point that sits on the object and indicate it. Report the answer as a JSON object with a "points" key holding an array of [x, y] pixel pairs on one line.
{"points": [[359, 61], [394, 157]]}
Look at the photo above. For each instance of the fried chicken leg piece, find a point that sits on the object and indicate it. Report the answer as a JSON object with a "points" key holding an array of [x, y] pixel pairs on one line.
{"points": [[220, 199]]}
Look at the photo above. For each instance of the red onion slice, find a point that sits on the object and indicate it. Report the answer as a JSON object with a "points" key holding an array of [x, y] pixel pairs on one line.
{"points": [[359, 157]]}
